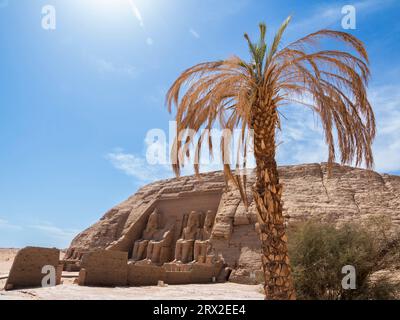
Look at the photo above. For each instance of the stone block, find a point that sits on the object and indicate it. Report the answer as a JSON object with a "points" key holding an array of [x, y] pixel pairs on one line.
{"points": [[26, 270], [104, 268]]}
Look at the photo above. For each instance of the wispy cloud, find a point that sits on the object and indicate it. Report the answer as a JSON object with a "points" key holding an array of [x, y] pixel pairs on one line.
{"points": [[55, 232], [5, 224], [104, 66], [302, 139], [149, 41], [326, 16], [194, 33], [137, 166], [220, 10], [386, 103], [37, 233]]}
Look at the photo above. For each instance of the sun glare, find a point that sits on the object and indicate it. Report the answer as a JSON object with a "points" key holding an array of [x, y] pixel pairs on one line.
{"points": [[110, 6], [119, 7]]}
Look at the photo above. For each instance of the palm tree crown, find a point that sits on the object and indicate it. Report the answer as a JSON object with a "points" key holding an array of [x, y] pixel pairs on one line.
{"points": [[332, 83]]}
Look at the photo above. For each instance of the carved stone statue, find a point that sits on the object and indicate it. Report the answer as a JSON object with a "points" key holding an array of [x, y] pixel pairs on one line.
{"points": [[152, 227], [158, 250], [184, 246], [201, 246]]}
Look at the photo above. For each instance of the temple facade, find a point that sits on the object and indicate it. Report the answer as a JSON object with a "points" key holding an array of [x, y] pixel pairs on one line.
{"points": [[194, 228]]}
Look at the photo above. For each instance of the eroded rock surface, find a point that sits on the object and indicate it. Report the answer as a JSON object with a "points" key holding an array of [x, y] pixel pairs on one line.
{"points": [[347, 194]]}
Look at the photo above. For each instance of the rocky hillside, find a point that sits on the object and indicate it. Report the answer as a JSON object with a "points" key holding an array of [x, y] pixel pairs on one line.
{"points": [[348, 194]]}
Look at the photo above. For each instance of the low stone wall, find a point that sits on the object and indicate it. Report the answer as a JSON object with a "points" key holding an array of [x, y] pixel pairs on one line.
{"points": [[26, 270], [104, 268], [146, 275]]}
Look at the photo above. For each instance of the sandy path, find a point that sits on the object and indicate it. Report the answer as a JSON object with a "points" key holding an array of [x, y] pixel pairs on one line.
{"points": [[224, 291]]}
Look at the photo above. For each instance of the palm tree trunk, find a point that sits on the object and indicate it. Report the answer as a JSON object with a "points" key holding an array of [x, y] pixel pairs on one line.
{"points": [[267, 193]]}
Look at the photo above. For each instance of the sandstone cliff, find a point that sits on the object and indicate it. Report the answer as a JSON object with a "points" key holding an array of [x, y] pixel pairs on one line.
{"points": [[348, 194]]}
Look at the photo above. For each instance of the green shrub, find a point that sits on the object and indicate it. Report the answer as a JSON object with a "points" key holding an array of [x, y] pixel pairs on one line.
{"points": [[318, 251]]}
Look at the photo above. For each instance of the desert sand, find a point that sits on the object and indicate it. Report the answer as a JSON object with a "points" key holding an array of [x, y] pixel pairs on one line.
{"points": [[6, 260], [70, 291]]}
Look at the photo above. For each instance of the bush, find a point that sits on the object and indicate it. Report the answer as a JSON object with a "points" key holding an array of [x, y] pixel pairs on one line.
{"points": [[318, 251]]}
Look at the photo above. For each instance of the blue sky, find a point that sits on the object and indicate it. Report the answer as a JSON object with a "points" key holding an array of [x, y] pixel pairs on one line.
{"points": [[76, 102]]}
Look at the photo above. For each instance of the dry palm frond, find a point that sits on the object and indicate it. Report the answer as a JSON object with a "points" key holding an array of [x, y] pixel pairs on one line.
{"points": [[225, 92]]}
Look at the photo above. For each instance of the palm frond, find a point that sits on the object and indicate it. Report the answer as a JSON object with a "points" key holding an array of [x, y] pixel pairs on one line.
{"points": [[277, 38], [228, 92]]}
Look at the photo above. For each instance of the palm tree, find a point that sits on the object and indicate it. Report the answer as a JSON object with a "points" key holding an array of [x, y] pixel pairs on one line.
{"points": [[248, 95]]}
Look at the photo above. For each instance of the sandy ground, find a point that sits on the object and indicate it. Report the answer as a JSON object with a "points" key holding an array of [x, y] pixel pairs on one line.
{"points": [[223, 291], [70, 291], [6, 259]]}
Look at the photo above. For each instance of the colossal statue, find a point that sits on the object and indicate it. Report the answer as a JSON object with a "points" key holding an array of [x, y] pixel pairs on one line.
{"points": [[202, 245], [184, 246], [152, 227], [158, 249]]}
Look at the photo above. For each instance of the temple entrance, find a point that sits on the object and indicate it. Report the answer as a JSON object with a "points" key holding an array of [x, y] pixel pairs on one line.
{"points": [[177, 230]]}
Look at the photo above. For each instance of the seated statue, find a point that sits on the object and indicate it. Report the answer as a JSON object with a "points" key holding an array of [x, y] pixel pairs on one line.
{"points": [[158, 249], [140, 246], [184, 246], [201, 246]]}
